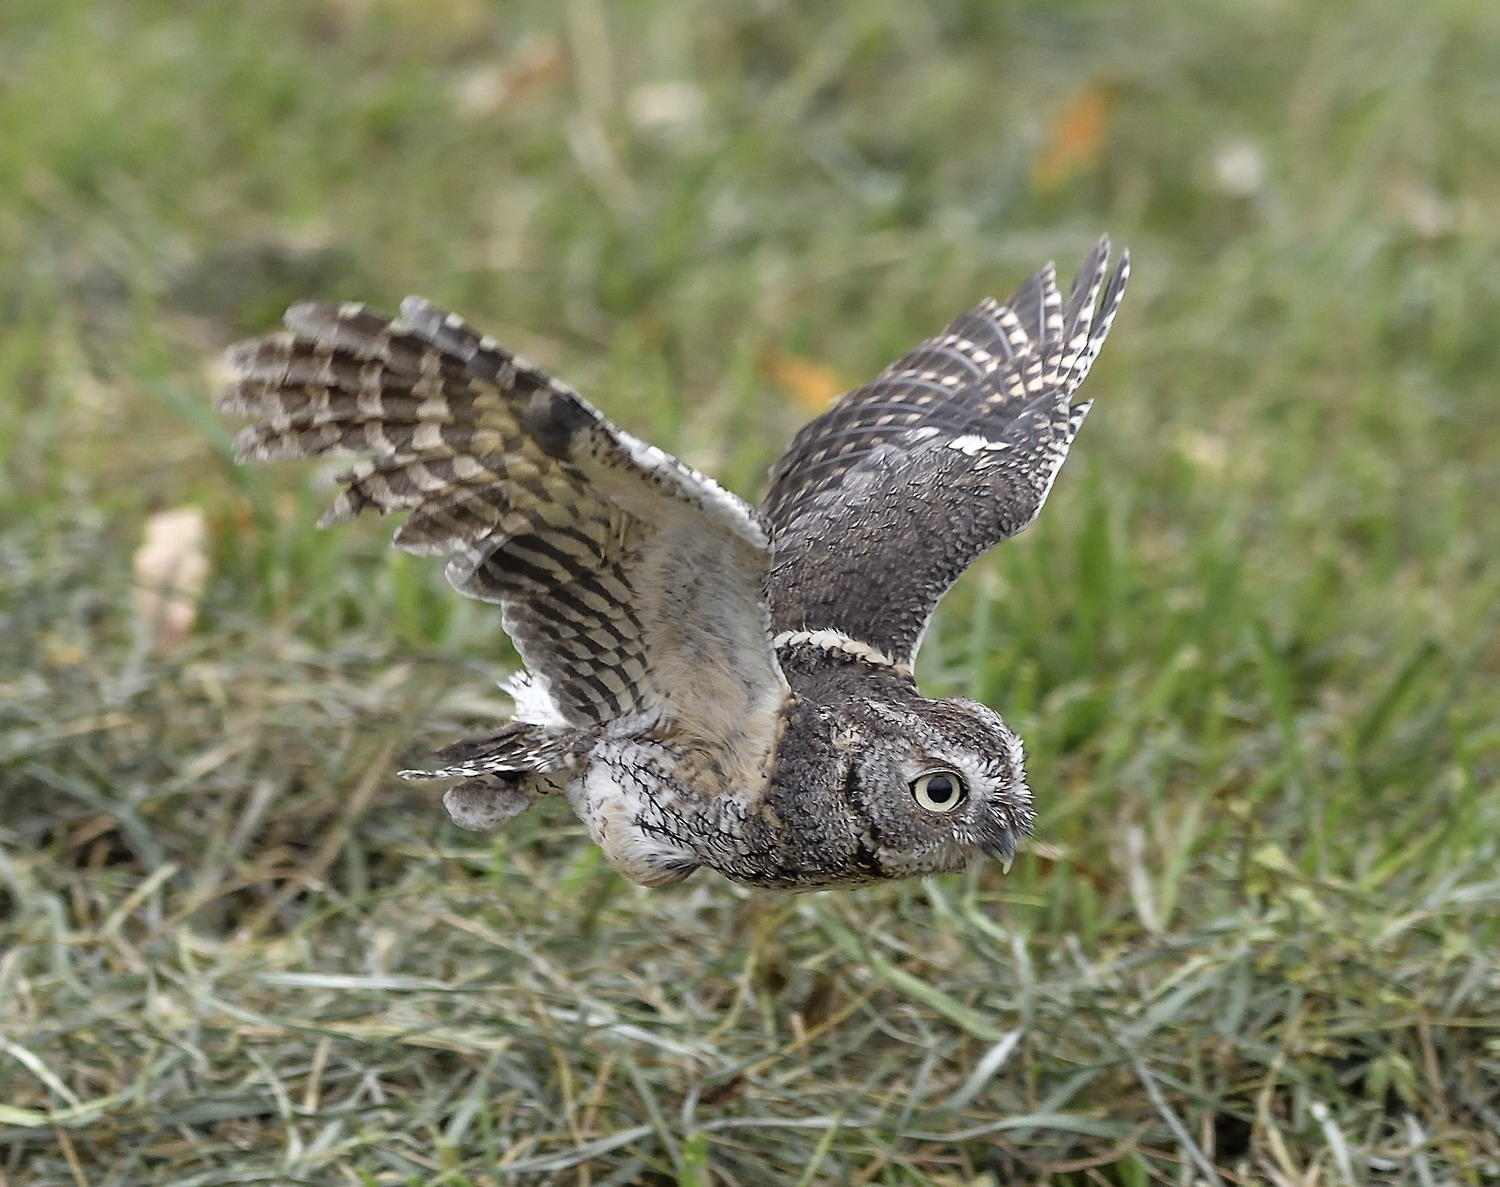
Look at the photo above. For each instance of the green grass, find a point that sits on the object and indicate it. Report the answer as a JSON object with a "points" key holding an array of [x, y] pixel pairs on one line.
{"points": [[1251, 643]]}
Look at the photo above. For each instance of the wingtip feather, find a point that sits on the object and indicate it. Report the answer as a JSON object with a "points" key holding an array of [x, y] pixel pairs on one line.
{"points": [[243, 357], [419, 310], [305, 316]]}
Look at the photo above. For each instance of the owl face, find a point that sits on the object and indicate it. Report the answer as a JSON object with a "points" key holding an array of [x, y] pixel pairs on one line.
{"points": [[938, 780]]}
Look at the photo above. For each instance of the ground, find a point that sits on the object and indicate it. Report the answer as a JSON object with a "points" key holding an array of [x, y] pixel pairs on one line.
{"points": [[1251, 642]]}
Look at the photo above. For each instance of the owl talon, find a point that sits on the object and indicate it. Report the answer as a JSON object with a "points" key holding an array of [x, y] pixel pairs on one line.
{"points": [[486, 804]]}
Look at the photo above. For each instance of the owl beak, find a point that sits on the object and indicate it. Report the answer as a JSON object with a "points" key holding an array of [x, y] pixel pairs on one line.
{"points": [[1002, 849]]}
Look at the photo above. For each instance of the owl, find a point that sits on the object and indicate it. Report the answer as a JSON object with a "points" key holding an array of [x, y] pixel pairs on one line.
{"points": [[707, 683]]}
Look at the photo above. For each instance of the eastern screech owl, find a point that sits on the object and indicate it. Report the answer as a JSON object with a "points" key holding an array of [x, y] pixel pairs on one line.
{"points": [[709, 684]]}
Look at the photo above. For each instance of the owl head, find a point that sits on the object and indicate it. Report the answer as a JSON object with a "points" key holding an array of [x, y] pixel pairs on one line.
{"points": [[938, 781]]}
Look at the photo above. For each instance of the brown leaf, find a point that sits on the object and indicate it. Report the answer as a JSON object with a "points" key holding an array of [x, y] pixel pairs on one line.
{"points": [[170, 566], [539, 63], [810, 384], [482, 90], [1076, 138]]}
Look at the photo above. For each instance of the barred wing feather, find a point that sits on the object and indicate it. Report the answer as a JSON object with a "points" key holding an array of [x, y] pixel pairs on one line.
{"points": [[632, 585], [881, 503]]}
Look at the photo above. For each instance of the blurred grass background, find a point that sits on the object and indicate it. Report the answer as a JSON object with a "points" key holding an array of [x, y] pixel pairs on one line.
{"points": [[1251, 643]]}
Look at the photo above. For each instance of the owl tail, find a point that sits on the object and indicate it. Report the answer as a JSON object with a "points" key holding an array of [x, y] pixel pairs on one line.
{"points": [[519, 748], [503, 774]]}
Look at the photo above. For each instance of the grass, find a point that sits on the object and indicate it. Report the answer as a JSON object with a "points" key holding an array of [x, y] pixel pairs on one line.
{"points": [[1251, 643]]}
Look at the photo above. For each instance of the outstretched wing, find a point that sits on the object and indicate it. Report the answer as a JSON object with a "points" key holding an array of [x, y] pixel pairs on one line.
{"points": [[631, 584], [880, 503]]}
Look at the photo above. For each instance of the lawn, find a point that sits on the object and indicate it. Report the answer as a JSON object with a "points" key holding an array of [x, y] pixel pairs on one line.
{"points": [[1253, 642]]}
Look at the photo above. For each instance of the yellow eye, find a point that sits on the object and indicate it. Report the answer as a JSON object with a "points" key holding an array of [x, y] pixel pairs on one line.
{"points": [[939, 791]]}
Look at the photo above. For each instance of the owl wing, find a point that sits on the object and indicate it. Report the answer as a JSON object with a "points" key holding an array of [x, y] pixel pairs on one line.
{"points": [[880, 503], [632, 586]]}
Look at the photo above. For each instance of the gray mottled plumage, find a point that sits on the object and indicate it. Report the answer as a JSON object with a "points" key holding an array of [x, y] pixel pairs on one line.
{"points": [[707, 684]]}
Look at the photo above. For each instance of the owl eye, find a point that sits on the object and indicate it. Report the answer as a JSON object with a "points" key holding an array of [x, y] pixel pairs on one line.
{"points": [[938, 791]]}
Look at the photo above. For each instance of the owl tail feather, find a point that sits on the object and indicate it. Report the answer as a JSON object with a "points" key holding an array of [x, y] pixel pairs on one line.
{"points": [[519, 748], [503, 774]]}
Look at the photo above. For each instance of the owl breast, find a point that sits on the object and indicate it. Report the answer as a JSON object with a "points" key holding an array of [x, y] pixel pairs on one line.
{"points": [[630, 798], [659, 810]]}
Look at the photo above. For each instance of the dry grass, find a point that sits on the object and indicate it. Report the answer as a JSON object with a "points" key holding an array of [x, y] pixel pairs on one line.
{"points": [[1251, 643]]}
